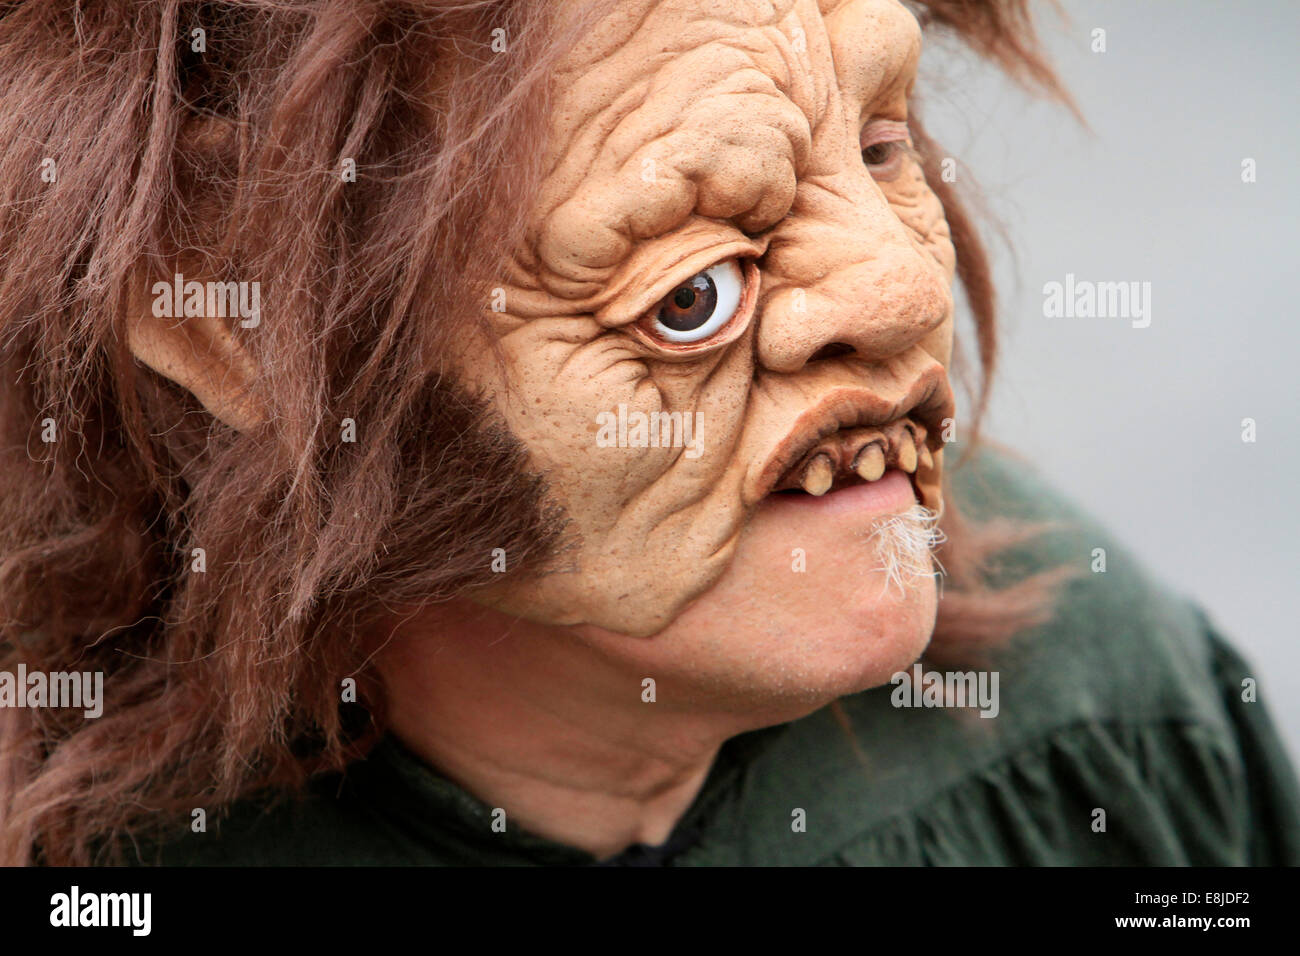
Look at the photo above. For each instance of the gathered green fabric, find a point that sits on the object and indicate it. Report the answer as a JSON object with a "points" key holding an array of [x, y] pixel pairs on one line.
{"points": [[1124, 736]]}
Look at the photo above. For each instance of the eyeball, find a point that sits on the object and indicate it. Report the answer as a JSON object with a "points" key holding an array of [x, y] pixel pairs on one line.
{"points": [[878, 154], [700, 306], [884, 146]]}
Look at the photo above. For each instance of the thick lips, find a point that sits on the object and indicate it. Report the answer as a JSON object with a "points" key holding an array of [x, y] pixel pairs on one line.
{"points": [[832, 443]]}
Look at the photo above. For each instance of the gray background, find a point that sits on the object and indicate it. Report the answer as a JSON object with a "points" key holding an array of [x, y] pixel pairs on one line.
{"points": [[1142, 426]]}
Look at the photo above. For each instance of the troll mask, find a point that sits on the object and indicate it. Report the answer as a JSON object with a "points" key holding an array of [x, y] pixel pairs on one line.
{"points": [[724, 338]]}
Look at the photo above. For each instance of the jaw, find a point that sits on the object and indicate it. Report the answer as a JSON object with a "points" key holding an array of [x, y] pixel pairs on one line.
{"points": [[802, 614]]}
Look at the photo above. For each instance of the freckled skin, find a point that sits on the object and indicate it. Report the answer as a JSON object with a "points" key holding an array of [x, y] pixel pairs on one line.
{"points": [[686, 134]]}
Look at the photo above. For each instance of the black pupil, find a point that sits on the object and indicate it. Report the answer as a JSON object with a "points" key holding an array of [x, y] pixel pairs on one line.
{"points": [[690, 306]]}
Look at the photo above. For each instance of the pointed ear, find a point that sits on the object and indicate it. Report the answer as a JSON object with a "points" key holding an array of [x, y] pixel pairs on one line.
{"points": [[199, 353]]}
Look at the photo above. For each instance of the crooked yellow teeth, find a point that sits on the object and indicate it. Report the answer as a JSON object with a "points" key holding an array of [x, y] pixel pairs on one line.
{"points": [[906, 452], [870, 463], [818, 476]]}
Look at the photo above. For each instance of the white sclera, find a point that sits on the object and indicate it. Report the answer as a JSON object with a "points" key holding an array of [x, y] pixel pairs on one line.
{"points": [[729, 281]]}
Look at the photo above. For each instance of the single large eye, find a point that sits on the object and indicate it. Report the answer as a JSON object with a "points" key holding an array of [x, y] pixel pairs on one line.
{"points": [[701, 306]]}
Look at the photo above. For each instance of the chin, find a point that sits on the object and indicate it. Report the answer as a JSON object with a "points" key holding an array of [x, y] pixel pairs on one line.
{"points": [[776, 642], [887, 634], [850, 648]]}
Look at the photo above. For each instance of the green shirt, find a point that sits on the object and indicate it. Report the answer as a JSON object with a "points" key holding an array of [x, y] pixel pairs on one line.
{"points": [[1122, 737]]}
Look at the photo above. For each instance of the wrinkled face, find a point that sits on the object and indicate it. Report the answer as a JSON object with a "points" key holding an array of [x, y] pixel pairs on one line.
{"points": [[726, 341]]}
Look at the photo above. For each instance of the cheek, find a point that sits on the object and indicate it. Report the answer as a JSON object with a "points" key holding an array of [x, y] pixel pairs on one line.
{"points": [[613, 433], [919, 209], [640, 461], [939, 342], [581, 410]]}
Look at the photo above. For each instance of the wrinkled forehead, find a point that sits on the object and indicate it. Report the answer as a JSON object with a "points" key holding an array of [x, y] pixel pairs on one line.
{"points": [[668, 108], [858, 43]]}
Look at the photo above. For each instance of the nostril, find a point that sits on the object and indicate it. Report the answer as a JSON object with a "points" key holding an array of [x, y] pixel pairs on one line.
{"points": [[833, 350]]}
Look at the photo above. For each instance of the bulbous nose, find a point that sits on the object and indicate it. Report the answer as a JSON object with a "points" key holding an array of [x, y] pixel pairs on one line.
{"points": [[843, 275]]}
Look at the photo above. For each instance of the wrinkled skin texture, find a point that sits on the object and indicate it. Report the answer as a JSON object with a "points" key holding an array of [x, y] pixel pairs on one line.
{"points": [[749, 123], [688, 136]]}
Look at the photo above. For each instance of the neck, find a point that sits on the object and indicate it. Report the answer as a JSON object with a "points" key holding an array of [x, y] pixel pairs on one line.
{"points": [[532, 719]]}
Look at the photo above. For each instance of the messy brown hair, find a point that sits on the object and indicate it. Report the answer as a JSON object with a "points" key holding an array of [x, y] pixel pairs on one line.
{"points": [[123, 149]]}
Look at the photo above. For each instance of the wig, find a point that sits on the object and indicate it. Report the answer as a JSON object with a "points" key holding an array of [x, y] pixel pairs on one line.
{"points": [[225, 580]]}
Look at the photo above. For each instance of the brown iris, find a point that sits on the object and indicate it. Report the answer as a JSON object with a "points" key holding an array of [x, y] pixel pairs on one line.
{"points": [[690, 305]]}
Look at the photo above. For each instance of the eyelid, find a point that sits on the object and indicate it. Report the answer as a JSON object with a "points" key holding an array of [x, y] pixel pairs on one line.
{"points": [[634, 297], [895, 134], [735, 327], [883, 131]]}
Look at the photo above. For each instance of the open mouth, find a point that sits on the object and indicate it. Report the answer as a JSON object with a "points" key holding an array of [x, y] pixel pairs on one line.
{"points": [[853, 435], [857, 456]]}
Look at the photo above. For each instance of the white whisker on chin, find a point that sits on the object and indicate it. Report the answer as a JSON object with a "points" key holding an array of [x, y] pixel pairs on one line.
{"points": [[904, 543]]}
